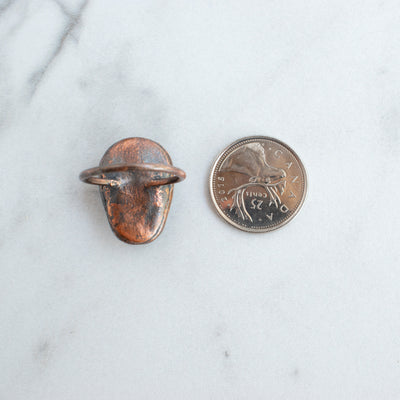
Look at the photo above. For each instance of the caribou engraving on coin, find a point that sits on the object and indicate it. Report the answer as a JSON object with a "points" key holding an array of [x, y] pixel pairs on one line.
{"points": [[258, 184], [250, 160]]}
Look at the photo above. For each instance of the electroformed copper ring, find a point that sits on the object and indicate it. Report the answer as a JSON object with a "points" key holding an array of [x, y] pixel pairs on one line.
{"points": [[136, 180], [98, 175]]}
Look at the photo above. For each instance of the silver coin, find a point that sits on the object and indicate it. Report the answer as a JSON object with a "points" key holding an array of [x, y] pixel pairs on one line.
{"points": [[258, 184]]}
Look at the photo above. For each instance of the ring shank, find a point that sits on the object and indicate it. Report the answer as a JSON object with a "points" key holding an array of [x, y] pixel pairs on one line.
{"points": [[95, 176]]}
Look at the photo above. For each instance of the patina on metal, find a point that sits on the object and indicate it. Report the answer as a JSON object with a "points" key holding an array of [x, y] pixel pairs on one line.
{"points": [[258, 184], [136, 179]]}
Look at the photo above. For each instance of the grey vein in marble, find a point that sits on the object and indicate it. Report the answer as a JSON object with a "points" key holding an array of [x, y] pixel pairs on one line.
{"points": [[74, 18], [5, 5]]}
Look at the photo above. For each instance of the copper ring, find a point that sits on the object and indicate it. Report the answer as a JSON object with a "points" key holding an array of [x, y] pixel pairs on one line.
{"points": [[136, 181], [97, 175]]}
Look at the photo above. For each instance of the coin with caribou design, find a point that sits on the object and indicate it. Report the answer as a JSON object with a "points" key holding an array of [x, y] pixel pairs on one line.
{"points": [[258, 184]]}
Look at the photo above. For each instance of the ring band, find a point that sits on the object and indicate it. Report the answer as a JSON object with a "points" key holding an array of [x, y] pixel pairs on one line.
{"points": [[95, 176]]}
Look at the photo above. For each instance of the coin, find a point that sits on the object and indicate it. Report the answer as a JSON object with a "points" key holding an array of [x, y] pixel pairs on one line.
{"points": [[258, 184]]}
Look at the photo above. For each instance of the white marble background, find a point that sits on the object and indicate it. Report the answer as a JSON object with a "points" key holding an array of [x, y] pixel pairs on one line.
{"points": [[311, 311]]}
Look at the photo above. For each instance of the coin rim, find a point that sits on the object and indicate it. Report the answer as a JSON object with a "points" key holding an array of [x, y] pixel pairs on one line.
{"points": [[233, 223]]}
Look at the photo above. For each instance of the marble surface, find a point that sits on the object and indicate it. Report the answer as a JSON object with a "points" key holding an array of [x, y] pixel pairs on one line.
{"points": [[311, 311]]}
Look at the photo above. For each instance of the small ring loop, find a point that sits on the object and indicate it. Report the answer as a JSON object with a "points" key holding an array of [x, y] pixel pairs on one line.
{"points": [[93, 175]]}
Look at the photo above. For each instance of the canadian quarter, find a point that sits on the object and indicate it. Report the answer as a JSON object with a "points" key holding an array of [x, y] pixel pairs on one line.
{"points": [[258, 184]]}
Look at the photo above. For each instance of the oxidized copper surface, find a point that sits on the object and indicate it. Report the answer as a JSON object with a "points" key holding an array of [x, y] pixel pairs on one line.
{"points": [[136, 179]]}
